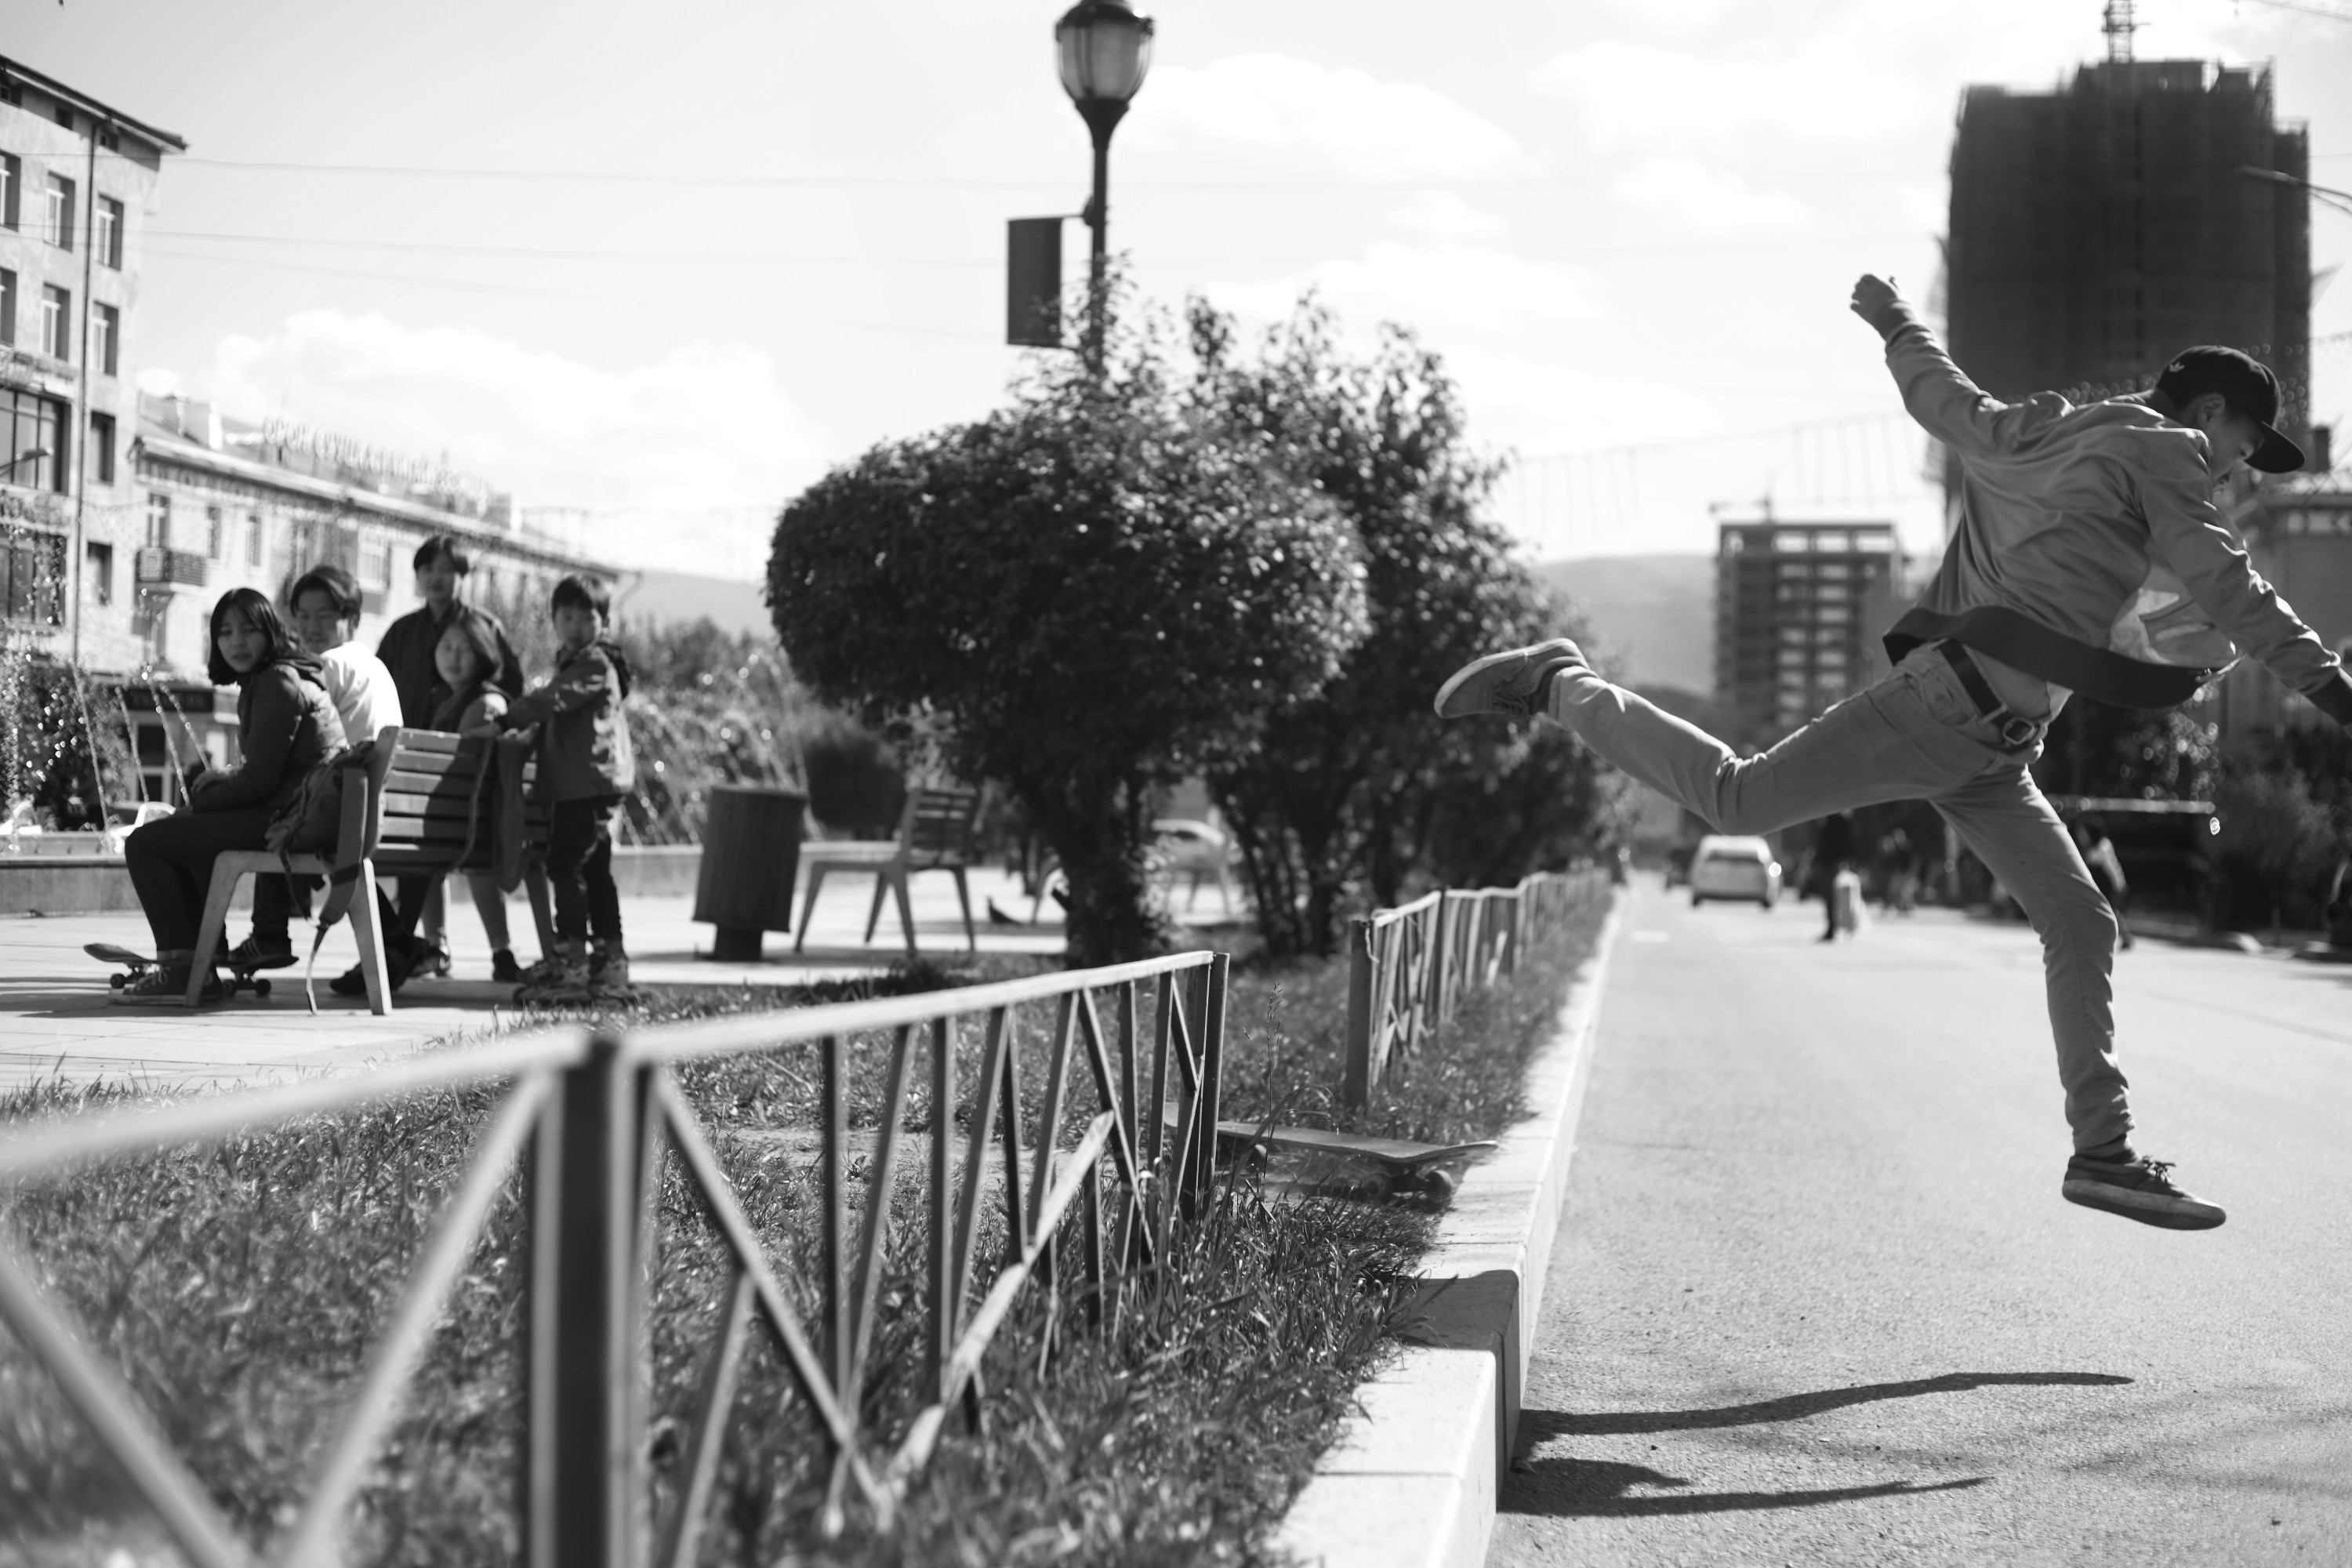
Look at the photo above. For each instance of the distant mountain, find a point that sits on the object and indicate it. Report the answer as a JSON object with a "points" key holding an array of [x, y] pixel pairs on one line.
{"points": [[667, 597], [1653, 614]]}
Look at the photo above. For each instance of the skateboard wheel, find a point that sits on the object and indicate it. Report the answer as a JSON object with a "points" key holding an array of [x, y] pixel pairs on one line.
{"points": [[114, 982], [1440, 1182], [261, 987]]}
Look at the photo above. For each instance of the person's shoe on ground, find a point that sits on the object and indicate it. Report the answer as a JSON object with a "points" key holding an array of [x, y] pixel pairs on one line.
{"points": [[165, 985], [561, 975], [2138, 1189], [254, 953], [352, 981], [431, 960], [608, 972], [504, 969], [1516, 682]]}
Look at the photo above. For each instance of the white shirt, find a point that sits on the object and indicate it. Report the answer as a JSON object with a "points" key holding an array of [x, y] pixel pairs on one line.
{"points": [[362, 690]]}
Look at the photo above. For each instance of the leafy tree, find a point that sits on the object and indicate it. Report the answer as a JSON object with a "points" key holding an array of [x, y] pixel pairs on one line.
{"points": [[2132, 753], [1361, 786], [1082, 596]]}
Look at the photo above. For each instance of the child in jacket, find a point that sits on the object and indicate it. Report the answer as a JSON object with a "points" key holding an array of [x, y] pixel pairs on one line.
{"points": [[585, 766]]}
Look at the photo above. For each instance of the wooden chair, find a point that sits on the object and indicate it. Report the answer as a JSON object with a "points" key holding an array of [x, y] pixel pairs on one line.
{"points": [[935, 833], [411, 811]]}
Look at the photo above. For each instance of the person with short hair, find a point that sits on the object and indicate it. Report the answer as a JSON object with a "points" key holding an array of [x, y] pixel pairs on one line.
{"points": [[2088, 556], [441, 564], [586, 765], [325, 602], [287, 725]]}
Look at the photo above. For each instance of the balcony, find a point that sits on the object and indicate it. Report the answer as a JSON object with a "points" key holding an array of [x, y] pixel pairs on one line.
{"points": [[159, 568]]}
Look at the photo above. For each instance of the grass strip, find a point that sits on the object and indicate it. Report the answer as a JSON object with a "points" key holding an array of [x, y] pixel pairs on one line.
{"points": [[238, 1291]]}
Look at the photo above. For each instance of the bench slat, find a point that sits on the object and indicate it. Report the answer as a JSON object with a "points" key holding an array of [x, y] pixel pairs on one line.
{"points": [[434, 741], [457, 764], [450, 802]]}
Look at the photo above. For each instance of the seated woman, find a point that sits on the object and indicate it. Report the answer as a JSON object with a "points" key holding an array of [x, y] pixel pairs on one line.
{"points": [[287, 725]]}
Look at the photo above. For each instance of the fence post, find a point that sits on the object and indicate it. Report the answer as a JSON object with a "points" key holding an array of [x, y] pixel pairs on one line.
{"points": [[585, 1497], [1356, 1069], [1212, 1065]]}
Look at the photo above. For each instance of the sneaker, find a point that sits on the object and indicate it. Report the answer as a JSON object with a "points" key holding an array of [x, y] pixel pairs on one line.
{"points": [[609, 971], [352, 981], [556, 978], [253, 953], [504, 969], [165, 985], [1507, 682], [2137, 1189], [431, 961]]}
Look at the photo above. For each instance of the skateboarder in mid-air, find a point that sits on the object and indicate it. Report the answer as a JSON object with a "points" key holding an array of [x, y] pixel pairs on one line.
{"points": [[2089, 557]]}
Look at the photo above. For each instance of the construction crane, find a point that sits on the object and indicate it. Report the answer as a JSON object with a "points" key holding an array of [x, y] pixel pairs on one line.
{"points": [[2119, 27]]}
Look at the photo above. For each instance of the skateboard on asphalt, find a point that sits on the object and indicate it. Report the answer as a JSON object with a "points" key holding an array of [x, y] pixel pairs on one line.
{"points": [[1402, 1166], [241, 977]]}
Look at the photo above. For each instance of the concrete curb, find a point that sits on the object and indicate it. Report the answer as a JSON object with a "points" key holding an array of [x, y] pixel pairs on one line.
{"points": [[1412, 1480]]}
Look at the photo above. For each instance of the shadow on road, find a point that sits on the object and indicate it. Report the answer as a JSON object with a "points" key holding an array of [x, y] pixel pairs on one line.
{"points": [[1595, 1489], [1537, 1426]]}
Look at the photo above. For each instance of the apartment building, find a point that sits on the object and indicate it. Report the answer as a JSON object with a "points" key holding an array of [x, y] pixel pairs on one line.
{"points": [[78, 185], [1798, 611]]}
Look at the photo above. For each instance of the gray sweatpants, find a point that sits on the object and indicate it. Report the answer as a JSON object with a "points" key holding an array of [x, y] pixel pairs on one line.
{"points": [[1913, 736]]}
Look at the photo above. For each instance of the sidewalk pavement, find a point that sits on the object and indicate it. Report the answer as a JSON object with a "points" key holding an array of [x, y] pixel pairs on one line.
{"points": [[58, 1018]]}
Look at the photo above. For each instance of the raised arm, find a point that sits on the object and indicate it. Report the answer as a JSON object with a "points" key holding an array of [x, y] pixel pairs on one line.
{"points": [[2190, 532], [1945, 402]]}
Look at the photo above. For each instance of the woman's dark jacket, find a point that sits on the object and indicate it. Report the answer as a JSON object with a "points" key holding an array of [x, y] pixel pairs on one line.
{"points": [[287, 725]]}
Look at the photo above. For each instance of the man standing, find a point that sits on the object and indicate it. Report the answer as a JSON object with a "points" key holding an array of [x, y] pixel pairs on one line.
{"points": [[441, 567]]}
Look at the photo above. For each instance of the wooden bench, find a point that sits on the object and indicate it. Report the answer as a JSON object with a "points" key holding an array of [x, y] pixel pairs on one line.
{"points": [[410, 811]]}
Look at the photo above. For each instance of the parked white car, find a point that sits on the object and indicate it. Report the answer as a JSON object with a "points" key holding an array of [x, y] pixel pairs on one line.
{"points": [[1726, 866]]}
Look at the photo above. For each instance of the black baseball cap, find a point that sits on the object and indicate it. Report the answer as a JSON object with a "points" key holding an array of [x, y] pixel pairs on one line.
{"points": [[2246, 385]]}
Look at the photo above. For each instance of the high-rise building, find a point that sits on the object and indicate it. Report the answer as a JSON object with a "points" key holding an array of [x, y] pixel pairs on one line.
{"points": [[1798, 611], [2099, 227]]}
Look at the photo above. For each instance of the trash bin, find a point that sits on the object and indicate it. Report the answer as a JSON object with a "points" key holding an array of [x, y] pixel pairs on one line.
{"points": [[750, 855]]}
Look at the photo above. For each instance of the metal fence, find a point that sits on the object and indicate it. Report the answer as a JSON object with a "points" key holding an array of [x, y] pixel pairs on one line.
{"points": [[1409, 967], [594, 1118]]}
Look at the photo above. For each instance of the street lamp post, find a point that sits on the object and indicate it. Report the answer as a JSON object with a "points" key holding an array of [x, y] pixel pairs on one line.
{"points": [[1103, 49]]}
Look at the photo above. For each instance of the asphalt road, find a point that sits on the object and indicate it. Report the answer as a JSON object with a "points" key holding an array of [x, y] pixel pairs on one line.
{"points": [[1816, 1299]]}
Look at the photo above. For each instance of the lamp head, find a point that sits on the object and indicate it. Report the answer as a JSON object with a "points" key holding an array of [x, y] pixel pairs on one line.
{"points": [[1103, 49]]}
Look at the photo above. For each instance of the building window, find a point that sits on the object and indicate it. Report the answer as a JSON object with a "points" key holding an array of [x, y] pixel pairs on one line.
{"points": [[11, 179], [159, 518], [108, 330], [98, 570], [253, 541], [7, 306], [59, 218], [102, 448], [215, 532], [109, 232], [31, 445], [31, 575], [57, 321]]}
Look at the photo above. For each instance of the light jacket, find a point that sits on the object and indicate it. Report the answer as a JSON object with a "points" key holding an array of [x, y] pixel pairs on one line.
{"points": [[364, 693], [287, 725], [583, 736], [2089, 552]]}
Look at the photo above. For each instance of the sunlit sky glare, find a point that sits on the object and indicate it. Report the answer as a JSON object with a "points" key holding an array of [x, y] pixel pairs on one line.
{"points": [[673, 261]]}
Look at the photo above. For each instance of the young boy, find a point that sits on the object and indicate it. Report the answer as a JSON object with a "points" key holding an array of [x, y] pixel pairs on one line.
{"points": [[2089, 557], [585, 766]]}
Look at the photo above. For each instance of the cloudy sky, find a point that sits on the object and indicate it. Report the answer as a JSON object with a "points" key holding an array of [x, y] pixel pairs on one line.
{"points": [[670, 262]]}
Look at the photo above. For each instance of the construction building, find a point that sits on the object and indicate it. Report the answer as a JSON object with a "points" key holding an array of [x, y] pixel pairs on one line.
{"points": [[1800, 608], [2099, 227]]}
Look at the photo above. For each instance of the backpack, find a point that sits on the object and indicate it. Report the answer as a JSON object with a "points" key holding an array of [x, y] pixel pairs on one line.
{"points": [[306, 821]]}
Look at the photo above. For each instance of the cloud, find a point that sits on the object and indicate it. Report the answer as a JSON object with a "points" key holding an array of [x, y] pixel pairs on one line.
{"points": [[1372, 130], [708, 426], [1441, 215], [1707, 199], [1440, 290], [1853, 72]]}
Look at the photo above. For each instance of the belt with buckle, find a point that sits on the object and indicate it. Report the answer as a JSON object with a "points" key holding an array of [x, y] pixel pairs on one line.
{"points": [[2017, 732]]}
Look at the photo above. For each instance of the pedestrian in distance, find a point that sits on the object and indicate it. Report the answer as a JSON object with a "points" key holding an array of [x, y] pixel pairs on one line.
{"points": [[2106, 869], [1832, 861], [2088, 557], [1900, 865], [585, 766], [441, 565]]}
